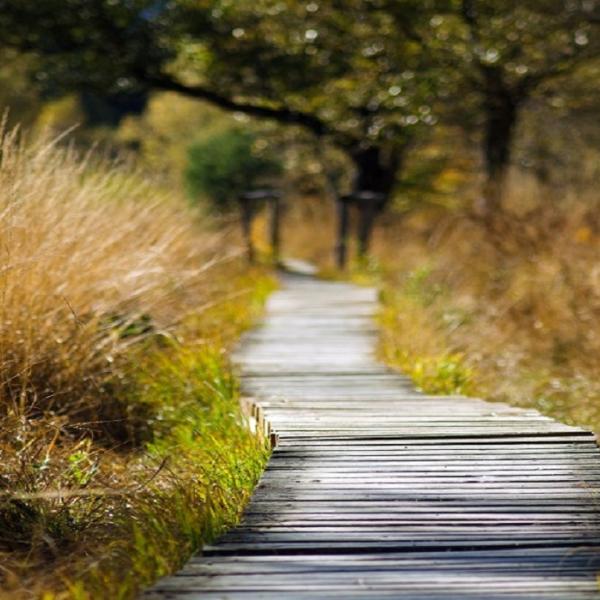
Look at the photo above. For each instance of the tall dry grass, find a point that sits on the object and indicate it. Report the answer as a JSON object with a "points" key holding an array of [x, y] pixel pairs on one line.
{"points": [[516, 301], [116, 304], [90, 257]]}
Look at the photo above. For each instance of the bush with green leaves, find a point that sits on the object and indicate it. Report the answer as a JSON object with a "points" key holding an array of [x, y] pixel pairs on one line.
{"points": [[226, 165]]}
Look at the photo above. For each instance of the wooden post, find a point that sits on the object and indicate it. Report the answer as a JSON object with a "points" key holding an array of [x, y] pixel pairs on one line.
{"points": [[249, 202], [341, 248], [369, 203], [247, 206], [365, 226], [275, 226]]}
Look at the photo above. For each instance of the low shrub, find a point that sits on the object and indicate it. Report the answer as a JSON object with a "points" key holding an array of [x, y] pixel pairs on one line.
{"points": [[226, 165]]}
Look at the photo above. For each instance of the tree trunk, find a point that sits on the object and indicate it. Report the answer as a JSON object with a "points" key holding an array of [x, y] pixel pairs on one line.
{"points": [[376, 172], [501, 108]]}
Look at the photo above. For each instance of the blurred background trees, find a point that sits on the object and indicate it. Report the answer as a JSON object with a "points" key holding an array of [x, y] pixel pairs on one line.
{"points": [[397, 92], [510, 53]]}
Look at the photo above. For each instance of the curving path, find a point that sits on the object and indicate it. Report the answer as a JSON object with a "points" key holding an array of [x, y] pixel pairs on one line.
{"points": [[376, 490]]}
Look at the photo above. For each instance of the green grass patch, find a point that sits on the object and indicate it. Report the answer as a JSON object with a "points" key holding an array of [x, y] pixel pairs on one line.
{"points": [[204, 464], [445, 374], [414, 341]]}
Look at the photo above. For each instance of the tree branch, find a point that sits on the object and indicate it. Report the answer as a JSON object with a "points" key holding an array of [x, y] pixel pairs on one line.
{"points": [[561, 65], [468, 14], [284, 114]]}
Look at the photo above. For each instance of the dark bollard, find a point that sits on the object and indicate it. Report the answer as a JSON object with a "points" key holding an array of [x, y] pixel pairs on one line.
{"points": [[249, 203], [343, 214], [247, 208], [370, 204], [275, 225]]}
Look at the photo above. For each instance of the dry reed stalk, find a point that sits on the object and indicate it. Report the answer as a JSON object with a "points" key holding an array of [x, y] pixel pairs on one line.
{"points": [[87, 251]]}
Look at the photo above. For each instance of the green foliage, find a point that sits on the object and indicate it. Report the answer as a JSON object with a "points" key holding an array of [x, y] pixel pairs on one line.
{"points": [[82, 467], [441, 374], [206, 463], [226, 165]]}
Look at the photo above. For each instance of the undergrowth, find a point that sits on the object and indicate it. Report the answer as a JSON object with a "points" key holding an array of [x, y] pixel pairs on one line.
{"points": [[417, 343], [202, 463], [122, 447], [507, 314]]}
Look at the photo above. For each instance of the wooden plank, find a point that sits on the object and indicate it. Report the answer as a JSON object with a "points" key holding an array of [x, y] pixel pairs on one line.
{"points": [[382, 581], [523, 442], [443, 544]]}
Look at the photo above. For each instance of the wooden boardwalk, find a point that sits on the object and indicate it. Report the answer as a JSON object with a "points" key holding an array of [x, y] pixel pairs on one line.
{"points": [[378, 491]]}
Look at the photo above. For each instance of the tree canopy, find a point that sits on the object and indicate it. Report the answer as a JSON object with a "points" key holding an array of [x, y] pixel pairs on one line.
{"points": [[368, 76], [507, 52], [350, 71]]}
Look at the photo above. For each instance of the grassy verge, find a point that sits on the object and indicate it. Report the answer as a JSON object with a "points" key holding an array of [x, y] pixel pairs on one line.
{"points": [[447, 350], [121, 442], [509, 320], [415, 338], [196, 473]]}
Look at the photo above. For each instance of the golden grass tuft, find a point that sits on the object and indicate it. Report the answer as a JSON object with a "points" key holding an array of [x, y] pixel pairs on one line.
{"points": [[88, 253]]}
